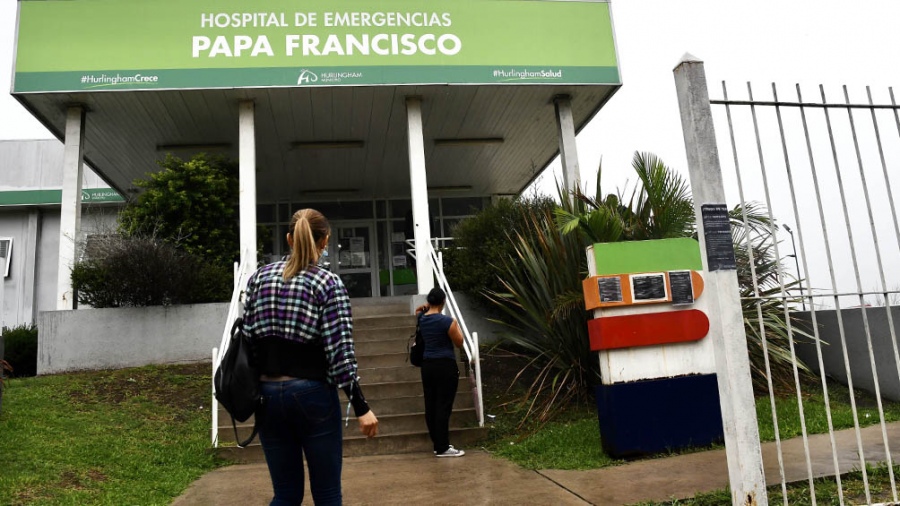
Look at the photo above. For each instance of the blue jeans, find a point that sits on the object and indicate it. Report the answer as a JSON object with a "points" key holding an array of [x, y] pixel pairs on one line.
{"points": [[302, 417]]}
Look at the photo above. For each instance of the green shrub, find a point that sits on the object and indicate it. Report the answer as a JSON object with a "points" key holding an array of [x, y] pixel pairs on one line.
{"points": [[146, 271], [481, 244], [20, 349], [190, 204]]}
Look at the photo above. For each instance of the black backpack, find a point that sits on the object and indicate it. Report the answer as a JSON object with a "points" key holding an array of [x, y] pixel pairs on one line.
{"points": [[415, 347], [237, 382]]}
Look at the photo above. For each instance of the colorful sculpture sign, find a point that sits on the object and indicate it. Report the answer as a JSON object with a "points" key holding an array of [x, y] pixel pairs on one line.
{"points": [[658, 389]]}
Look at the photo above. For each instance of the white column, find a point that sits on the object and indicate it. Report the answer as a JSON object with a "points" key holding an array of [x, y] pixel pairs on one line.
{"points": [[70, 207], [247, 182], [419, 189], [568, 153], [742, 447], [27, 306]]}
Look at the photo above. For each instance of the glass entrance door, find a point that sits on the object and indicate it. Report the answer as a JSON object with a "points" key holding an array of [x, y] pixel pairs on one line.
{"points": [[351, 251]]}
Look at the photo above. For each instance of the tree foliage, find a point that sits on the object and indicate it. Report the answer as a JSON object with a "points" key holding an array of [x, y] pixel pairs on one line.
{"points": [[177, 240], [191, 204], [481, 243]]}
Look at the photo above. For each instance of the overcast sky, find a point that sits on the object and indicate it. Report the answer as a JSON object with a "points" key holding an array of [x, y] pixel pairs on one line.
{"points": [[809, 42], [785, 41]]}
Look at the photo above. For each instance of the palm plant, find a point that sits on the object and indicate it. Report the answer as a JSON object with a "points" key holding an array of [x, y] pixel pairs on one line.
{"points": [[659, 208], [542, 300], [765, 315], [542, 281]]}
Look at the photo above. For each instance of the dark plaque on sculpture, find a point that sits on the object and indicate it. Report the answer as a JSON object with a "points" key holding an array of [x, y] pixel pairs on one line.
{"points": [[649, 287], [682, 287], [610, 289], [717, 233]]}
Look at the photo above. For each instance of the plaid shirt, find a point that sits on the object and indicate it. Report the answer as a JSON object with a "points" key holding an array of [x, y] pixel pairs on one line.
{"points": [[313, 306]]}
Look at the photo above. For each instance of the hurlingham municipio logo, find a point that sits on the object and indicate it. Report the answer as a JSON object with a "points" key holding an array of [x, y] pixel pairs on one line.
{"points": [[307, 77]]}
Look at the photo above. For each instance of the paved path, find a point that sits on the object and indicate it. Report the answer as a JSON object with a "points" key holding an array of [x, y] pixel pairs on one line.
{"points": [[478, 478]]}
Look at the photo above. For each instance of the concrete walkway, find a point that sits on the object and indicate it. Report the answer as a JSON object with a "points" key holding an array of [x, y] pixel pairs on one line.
{"points": [[479, 478]]}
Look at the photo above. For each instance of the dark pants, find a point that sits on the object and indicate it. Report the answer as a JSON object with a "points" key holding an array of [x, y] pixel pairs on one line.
{"points": [[302, 417], [440, 378]]}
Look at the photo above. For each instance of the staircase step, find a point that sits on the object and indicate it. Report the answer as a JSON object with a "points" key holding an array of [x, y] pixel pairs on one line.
{"points": [[403, 388], [387, 425], [385, 333], [412, 442], [381, 445], [386, 406], [383, 360], [381, 331], [394, 414], [397, 345], [399, 405], [389, 374], [411, 422], [384, 320], [380, 305], [415, 404]]}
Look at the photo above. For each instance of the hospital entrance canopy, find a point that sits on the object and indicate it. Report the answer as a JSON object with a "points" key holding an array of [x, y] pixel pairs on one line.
{"points": [[329, 82]]}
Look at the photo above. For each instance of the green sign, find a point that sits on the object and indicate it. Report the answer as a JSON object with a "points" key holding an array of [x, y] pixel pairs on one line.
{"points": [[50, 197], [658, 255], [96, 45]]}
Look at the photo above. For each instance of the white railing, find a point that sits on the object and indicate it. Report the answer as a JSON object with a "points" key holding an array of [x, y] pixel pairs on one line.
{"points": [[843, 211], [235, 308], [470, 339]]}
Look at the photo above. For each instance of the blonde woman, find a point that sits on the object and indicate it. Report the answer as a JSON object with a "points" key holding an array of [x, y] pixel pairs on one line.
{"points": [[298, 315]]}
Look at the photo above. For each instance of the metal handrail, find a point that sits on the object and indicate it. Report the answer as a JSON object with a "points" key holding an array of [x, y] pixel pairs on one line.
{"points": [[470, 340], [241, 273]]}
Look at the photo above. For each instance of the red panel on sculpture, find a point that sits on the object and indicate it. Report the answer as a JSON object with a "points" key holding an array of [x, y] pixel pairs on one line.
{"points": [[611, 332]]}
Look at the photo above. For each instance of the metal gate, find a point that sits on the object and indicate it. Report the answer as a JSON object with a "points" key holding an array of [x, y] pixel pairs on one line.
{"points": [[809, 174]]}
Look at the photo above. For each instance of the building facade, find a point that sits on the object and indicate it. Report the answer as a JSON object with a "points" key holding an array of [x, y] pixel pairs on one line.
{"points": [[31, 178]]}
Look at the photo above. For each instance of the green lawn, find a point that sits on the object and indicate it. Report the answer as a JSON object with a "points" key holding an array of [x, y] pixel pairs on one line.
{"points": [[572, 441], [814, 411], [798, 493], [132, 436], [141, 436]]}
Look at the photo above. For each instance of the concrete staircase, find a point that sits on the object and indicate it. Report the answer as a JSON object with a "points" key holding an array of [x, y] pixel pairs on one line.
{"points": [[393, 388]]}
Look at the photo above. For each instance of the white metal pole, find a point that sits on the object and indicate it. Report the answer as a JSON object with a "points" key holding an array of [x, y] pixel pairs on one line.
{"points": [[214, 404], [742, 447], [568, 152], [247, 183], [476, 356], [419, 189], [2, 303], [70, 206]]}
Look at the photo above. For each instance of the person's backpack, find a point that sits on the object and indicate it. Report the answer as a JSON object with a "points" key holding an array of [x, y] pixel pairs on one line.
{"points": [[416, 346], [237, 382]]}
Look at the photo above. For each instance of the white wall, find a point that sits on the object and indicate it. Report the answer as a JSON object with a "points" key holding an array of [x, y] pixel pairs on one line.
{"points": [[36, 165], [92, 339], [18, 287], [31, 285]]}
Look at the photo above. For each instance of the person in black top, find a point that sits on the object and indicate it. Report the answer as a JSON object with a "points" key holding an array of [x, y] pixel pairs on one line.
{"points": [[440, 374]]}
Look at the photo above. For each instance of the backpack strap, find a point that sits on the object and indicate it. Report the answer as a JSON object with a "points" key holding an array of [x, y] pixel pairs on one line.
{"points": [[257, 417]]}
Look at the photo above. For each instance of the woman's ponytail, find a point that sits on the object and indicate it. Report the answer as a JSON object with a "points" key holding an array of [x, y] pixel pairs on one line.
{"points": [[308, 228]]}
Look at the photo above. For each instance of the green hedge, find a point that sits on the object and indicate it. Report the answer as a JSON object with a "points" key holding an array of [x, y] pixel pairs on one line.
{"points": [[20, 349]]}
